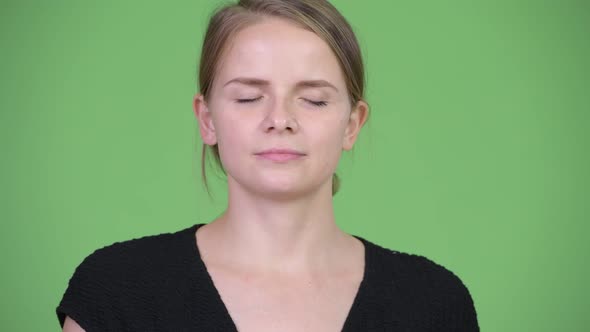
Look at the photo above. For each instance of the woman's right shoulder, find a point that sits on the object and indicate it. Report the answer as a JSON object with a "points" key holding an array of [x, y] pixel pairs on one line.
{"points": [[144, 246], [114, 277], [132, 259]]}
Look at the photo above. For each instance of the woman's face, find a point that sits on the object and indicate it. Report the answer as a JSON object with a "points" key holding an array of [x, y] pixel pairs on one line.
{"points": [[279, 86]]}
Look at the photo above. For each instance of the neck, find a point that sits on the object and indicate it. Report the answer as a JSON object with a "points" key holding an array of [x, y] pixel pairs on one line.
{"points": [[287, 235]]}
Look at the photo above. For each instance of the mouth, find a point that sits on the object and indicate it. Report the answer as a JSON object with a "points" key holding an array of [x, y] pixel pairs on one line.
{"points": [[280, 155]]}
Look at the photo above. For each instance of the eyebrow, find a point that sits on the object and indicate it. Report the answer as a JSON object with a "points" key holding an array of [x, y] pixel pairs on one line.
{"points": [[301, 84]]}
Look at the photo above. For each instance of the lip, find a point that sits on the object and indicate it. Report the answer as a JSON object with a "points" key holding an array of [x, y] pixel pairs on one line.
{"points": [[281, 151], [280, 155]]}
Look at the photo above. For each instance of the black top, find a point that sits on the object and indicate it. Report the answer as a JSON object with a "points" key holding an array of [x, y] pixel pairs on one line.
{"points": [[160, 283]]}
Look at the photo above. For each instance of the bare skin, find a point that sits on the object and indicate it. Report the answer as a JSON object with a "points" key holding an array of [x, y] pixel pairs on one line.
{"points": [[71, 325], [276, 255], [316, 296]]}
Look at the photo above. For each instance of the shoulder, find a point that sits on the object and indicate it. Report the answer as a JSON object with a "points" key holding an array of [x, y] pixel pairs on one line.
{"points": [[122, 277], [133, 252], [420, 270], [425, 286], [128, 259]]}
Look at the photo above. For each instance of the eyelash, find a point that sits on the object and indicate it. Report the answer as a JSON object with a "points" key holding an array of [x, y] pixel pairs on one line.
{"points": [[317, 103], [252, 100], [243, 101]]}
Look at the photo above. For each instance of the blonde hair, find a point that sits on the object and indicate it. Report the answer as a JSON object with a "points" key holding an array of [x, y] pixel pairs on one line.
{"points": [[318, 16]]}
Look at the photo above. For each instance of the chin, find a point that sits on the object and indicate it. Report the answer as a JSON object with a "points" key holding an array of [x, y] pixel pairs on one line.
{"points": [[278, 188], [287, 190]]}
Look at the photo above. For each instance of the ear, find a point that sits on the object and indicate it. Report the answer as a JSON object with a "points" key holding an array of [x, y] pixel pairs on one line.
{"points": [[358, 117], [205, 119]]}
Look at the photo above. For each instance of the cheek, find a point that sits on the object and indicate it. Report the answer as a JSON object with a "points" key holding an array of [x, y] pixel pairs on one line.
{"points": [[331, 142], [328, 147], [230, 138], [332, 134]]}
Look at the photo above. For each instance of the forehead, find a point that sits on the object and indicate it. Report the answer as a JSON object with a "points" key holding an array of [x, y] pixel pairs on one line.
{"points": [[279, 51]]}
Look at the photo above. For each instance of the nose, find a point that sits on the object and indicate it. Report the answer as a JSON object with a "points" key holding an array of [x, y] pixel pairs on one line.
{"points": [[280, 118]]}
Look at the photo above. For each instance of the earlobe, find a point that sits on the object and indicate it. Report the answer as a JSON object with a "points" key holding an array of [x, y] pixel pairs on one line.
{"points": [[205, 119], [358, 117]]}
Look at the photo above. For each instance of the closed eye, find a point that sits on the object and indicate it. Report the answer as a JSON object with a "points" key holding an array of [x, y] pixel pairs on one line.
{"points": [[250, 100], [319, 103]]}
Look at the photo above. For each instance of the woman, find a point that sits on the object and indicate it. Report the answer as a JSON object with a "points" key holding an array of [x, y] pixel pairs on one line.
{"points": [[281, 97]]}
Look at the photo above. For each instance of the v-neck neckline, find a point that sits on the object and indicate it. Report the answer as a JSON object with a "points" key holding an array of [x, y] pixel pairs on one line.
{"points": [[352, 312]]}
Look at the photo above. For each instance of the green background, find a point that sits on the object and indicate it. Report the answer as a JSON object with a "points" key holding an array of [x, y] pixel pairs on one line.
{"points": [[475, 155]]}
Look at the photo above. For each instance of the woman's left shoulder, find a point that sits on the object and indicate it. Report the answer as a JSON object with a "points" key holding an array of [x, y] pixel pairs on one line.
{"points": [[413, 267], [425, 283], [418, 273]]}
